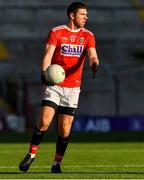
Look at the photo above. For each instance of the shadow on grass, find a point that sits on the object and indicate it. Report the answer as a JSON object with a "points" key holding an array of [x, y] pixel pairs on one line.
{"points": [[99, 172], [13, 137], [10, 172]]}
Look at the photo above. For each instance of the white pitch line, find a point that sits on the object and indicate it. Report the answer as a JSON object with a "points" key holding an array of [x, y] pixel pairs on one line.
{"points": [[75, 166], [110, 150]]}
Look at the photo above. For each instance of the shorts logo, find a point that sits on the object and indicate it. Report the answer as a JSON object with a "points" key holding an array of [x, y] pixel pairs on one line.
{"points": [[71, 50]]}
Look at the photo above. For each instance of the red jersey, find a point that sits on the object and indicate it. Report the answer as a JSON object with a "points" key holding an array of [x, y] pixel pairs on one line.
{"points": [[70, 52]]}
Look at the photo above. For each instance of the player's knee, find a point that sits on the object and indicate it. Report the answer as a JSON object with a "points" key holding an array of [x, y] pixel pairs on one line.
{"points": [[43, 127], [43, 124], [64, 132]]}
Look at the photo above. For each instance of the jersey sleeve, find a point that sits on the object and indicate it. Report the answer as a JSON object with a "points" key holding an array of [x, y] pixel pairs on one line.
{"points": [[91, 41], [52, 38]]}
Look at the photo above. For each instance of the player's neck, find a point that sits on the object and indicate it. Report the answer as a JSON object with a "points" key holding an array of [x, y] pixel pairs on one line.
{"points": [[72, 26]]}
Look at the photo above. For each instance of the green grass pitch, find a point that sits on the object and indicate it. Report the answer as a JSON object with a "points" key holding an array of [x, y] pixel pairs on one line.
{"points": [[91, 160]]}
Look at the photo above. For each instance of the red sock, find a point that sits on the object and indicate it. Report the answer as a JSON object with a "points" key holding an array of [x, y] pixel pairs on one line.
{"points": [[61, 146], [33, 149], [58, 158]]}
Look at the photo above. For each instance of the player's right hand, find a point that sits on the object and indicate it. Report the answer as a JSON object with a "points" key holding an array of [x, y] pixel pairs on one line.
{"points": [[44, 81]]}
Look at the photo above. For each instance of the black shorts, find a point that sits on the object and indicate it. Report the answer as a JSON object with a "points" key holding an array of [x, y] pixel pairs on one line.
{"points": [[60, 109]]}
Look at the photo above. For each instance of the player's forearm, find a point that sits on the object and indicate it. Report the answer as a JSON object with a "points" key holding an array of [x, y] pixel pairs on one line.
{"points": [[45, 63], [93, 58], [48, 57]]}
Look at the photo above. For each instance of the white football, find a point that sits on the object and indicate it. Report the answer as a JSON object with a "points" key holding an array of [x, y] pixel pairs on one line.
{"points": [[55, 74]]}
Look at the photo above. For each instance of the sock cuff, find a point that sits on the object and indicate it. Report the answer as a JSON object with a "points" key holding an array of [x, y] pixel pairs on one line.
{"points": [[38, 131], [37, 136], [63, 139], [33, 146]]}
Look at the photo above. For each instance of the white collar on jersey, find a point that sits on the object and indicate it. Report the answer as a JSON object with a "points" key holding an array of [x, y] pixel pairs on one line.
{"points": [[76, 30]]}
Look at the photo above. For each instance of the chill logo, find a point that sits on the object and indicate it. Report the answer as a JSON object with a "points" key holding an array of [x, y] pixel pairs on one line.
{"points": [[71, 50]]}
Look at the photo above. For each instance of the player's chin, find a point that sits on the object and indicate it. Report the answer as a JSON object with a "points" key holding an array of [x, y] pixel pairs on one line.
{"points": [[82, 25]]}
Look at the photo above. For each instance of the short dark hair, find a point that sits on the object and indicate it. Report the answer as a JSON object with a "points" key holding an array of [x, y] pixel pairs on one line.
{"points": [[73, 7]]}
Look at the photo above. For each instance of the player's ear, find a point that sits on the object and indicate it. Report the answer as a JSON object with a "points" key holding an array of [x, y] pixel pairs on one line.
{"points": [[72, 16]]}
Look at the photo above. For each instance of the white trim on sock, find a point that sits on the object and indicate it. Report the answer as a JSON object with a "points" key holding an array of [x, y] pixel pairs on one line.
{"points": [[32, 155], [55, 163]]}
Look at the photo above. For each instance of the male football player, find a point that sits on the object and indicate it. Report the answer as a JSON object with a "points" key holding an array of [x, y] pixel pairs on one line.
{"points": [[67, 46]]}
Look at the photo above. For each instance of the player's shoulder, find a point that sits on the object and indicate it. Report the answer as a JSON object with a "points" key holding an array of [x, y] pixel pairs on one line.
{"points": [[87, 31], [58, 28]]}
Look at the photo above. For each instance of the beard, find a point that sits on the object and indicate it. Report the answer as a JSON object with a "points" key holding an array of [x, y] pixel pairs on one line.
{"points": [[78, 25]]}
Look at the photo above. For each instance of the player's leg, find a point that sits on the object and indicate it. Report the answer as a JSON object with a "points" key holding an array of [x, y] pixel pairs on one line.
{"points": [[66, 112], [64, 126], [49, 106], [46, 116], [65, 119]]}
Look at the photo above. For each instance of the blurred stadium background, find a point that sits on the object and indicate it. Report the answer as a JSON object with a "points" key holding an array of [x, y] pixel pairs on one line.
{"points": [[114, 101]]}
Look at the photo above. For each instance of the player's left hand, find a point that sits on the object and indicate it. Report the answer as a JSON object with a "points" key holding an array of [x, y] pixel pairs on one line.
{"points": [[44, 81], [94, 68]]}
